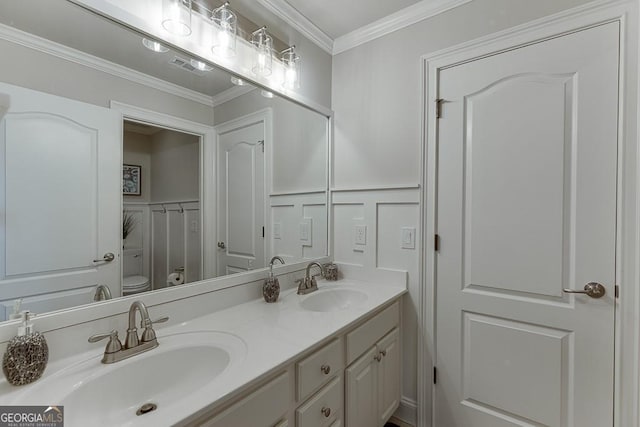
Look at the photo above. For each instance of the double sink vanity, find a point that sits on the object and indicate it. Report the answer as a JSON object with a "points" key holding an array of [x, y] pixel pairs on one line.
{"points": [[327, 358]]}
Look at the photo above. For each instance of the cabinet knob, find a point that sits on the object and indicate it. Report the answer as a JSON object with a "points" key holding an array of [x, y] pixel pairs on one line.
{"points": [[325, 369], [326, 412]]}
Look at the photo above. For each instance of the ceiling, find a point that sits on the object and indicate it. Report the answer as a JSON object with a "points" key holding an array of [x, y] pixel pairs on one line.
{"points": [[338, 17]]}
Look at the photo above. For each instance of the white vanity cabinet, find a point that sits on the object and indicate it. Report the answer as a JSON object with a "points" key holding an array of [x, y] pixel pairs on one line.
{"points": [[317, 391], [372, 391]]}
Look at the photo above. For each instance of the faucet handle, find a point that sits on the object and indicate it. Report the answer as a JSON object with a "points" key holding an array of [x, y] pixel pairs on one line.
{"points": [[113, 346], [149, 334], [148, 323]]}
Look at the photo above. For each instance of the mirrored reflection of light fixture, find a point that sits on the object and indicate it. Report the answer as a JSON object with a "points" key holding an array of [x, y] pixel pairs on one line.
{"points": [[266, 93], [238, 81], [199, 65], [263, 61], [176, 16], [224, 37], [154, 46], [291, 63]]}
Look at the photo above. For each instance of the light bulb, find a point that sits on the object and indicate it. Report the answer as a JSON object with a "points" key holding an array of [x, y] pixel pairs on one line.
{"points": [[290, 77], [176, 16]]}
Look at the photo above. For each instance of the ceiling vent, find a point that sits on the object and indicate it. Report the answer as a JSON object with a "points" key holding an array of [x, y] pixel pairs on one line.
{"points": [[185, 65]]}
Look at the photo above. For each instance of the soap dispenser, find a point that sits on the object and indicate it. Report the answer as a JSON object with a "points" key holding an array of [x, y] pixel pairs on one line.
{"points": [[27, 354], [271, 286]]}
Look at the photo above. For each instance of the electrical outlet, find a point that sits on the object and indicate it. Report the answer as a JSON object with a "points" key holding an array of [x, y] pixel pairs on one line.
{"points": [[360, 236], [408, 238], [305, 232], [277, 230]]}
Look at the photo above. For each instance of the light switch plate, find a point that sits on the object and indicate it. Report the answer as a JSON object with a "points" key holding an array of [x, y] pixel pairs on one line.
{"points": [[408, 238], [360, 235]]}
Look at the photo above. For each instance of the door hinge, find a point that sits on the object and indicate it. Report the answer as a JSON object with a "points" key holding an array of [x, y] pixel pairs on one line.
{"points": [[435, 375], [263, 231], [439, 103], [436, 242], [616, 290]]}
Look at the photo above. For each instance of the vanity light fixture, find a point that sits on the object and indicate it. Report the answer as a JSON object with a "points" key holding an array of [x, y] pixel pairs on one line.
{"points": [[225, 27], [266, 93], [238, 81], [291, 63], [154, 46], [199, 65], [176, 16], [263, 44]]}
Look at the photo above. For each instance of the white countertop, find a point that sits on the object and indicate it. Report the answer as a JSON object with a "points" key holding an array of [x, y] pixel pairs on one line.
{"points": [[274, 335]]}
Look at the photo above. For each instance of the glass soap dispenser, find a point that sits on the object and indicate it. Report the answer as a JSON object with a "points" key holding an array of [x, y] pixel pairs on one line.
{"points": [[27, 354], [271, 286]]}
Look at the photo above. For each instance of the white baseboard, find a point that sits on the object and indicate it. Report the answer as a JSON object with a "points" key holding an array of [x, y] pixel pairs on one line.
{"points": [[407, 413]]}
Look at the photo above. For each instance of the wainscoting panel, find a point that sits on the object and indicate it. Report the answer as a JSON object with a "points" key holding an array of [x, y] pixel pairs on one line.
{"points": [[391, 242], [298, 226], [175, 241]]}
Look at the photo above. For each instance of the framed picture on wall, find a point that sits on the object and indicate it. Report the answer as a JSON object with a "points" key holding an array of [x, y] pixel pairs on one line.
{"points": [[131, 175]]}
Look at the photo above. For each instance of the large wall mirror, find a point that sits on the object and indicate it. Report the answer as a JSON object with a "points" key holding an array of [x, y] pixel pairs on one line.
{"points": [[104, 193]]}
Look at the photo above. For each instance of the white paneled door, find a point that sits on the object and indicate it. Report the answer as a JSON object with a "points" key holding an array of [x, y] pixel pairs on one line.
{"points": [[60, 192], [241, 183], [526, 213]]}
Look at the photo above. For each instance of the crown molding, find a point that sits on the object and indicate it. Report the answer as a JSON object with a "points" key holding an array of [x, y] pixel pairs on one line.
{"points": [[291, 16], [81, 58], [231, 93], [396, 21]]}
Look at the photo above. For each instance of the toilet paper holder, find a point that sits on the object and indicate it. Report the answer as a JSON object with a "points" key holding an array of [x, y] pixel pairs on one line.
{"points": [[178, 270]]}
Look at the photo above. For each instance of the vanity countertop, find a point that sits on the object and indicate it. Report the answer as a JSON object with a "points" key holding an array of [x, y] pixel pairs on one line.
{"points": [[274, 335]]}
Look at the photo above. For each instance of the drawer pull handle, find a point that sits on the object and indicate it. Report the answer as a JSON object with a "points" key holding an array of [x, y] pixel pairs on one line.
{"points": [[325, 369], [326, 412], [383, 353], [377, 357]]}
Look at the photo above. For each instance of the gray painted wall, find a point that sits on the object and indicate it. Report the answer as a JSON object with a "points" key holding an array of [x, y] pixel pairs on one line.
{"points": [[376, 88], [32, 69]]}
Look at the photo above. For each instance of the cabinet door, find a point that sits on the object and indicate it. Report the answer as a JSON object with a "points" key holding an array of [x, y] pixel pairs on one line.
{"points": [[264, 407], [361, 401], [388, 376]]}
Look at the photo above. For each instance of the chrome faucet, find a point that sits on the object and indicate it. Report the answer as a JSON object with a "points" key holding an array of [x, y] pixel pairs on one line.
{"points": [[115, 351], [102, 293], [308, 283]]}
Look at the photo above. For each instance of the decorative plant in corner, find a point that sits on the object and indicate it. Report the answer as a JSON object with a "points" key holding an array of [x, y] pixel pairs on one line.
{"points": [[128, 224]]}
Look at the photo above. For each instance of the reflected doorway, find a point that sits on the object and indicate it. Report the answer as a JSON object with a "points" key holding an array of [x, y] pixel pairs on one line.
{"points": [[162, 215], [241, 194]]}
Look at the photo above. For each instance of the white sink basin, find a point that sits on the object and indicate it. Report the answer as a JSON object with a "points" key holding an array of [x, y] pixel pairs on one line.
{"points": [[183, 364], [333, 299]]}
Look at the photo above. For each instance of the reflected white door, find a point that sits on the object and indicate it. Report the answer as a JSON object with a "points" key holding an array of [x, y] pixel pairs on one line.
{"points": [[241, 199], [60, 192], [527, 152]]}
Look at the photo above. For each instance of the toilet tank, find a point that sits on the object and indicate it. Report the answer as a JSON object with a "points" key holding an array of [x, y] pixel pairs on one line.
{"points": [[132, 262]]}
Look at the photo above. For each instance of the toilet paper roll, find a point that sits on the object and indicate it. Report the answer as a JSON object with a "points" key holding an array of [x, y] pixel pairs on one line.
{"points": [[175, 279]]}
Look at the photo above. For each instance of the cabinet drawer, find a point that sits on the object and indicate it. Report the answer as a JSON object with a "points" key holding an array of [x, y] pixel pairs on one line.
{"points": [[262, 408], [319, 368], [314, 412], [366, 335]]}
